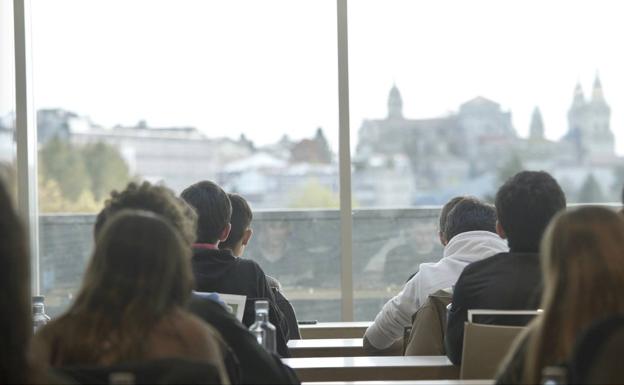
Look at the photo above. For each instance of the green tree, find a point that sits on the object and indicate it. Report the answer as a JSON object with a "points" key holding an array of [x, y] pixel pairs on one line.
{"points": [[64, 163], [590, 191], [106, 168], [314, 195]]}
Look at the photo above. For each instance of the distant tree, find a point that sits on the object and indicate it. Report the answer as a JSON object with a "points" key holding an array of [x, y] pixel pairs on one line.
{"points": [[106, 168], [511, 167], [618, 184], [314, 195], [59, 160], [77, 178], [590, 191]]}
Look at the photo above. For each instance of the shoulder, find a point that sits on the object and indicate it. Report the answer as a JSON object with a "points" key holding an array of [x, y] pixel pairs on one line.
{"points": [[486, 263]]}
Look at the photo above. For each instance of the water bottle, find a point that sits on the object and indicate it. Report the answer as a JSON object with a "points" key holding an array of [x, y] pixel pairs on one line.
{"points": [[40, 318], [262, 329]]}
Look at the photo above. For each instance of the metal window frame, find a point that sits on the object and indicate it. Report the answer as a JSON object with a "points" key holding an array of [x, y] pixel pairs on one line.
{"points": [[26, 134], [344, 154]]}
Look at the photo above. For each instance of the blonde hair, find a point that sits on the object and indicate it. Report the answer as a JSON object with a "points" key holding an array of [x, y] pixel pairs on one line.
{"points": [[583, 267]]}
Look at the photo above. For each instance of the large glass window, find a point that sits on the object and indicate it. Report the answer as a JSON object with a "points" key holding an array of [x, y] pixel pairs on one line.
{"points": [[7, 96], [239, 92], [451, 98]]}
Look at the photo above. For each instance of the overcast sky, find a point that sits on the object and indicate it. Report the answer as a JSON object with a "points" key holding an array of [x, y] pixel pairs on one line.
{"points": [[270, 67]]}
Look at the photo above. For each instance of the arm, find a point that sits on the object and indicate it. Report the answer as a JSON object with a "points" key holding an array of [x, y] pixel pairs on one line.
{"points": [[458, 315], [395, 316]]}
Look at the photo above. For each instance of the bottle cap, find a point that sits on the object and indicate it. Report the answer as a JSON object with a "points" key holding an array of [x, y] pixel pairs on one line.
{"points": [[38, 298], [262, 305]]}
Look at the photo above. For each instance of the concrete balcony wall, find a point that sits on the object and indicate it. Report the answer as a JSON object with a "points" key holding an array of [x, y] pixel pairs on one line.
{"points": [[299, 248]]}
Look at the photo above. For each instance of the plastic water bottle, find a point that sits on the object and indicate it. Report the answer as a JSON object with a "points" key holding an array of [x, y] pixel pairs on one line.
{"points": [[40, 318], [262, 329]]}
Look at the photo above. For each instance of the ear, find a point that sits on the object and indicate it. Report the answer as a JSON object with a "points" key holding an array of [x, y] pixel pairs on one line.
{"points": [[500, 231], [442, 238], [246, 237], [225, 233]]}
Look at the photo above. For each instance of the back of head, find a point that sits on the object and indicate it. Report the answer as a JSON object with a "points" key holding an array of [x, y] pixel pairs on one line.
{"points": [[241, 219], [583, 267], [597, 357], [140, 270], [15, 322], [213, 208], [445, 210], [525, 204], [153, 198], [470, 214]]}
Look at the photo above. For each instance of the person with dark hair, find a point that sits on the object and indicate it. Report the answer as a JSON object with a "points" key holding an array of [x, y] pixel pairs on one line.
{"points": [[130, 307], [219, 270], [525, 204], [16, 322], [239, 237], [256, 365], [582, 259], [468, 233]]}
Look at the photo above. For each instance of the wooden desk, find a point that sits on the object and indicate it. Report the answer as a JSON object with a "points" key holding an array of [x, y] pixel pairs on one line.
{"points": [[379, 368], [324, 330], [422, 382], [337, 347]]}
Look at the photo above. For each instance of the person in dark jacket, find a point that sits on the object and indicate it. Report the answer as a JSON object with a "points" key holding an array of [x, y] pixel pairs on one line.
{"points": [[512, 280], [239, 237], [219, 270], [256, 366]]}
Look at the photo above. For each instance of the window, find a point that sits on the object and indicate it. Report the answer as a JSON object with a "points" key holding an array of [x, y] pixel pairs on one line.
{"points": [[452, 98], [239, 92], [446, 98], [8, 169]]}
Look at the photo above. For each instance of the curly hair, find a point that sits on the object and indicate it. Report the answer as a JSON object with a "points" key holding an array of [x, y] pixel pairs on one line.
{"points": [[155, 198]]}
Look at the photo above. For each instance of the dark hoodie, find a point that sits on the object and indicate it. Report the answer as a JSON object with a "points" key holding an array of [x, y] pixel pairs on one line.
{"points": [[220, 271]]}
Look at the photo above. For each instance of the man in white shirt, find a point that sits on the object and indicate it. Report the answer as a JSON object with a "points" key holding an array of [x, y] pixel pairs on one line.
{"points": [[468, 233]]}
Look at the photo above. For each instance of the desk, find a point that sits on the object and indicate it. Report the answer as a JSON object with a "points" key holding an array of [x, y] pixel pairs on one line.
{"points": [[337, 347], [378, 368], [423, 382], [334, 330]]}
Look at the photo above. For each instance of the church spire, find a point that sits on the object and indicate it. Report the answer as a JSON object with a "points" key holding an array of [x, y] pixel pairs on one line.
{"points": [[537, 126], [395, 103], [597, 94], [579, 96]]}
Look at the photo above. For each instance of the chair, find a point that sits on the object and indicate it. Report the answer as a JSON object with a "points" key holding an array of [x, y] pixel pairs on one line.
{"points": [[485, 346], [162, 371], [426, 337]]}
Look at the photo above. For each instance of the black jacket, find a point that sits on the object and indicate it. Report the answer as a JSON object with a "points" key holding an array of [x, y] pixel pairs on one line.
{"points": [[256, 365], [505, 281], [220, 271]]}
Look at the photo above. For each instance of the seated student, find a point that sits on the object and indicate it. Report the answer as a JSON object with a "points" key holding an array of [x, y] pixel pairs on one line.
{"points": [[15, 322], [130, 308], [239, 237], [508, 280], [583, 267], [468, 233], [256, 365], [219, 270]]}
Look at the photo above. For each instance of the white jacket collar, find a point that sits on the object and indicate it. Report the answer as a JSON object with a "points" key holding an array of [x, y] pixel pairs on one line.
{"points": [[474, 245]]}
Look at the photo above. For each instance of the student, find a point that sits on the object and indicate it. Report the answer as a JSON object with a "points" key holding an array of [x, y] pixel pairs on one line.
{"points": [[239, 237], [583, 267], [130, 308], [468, 233], [219, 270], [508, 280], [255, 364], [15, 323]]}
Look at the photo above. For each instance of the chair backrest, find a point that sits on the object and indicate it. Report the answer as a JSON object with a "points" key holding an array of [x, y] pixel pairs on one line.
{"points": [[163, 371], [428, 327], [485, 346]]}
